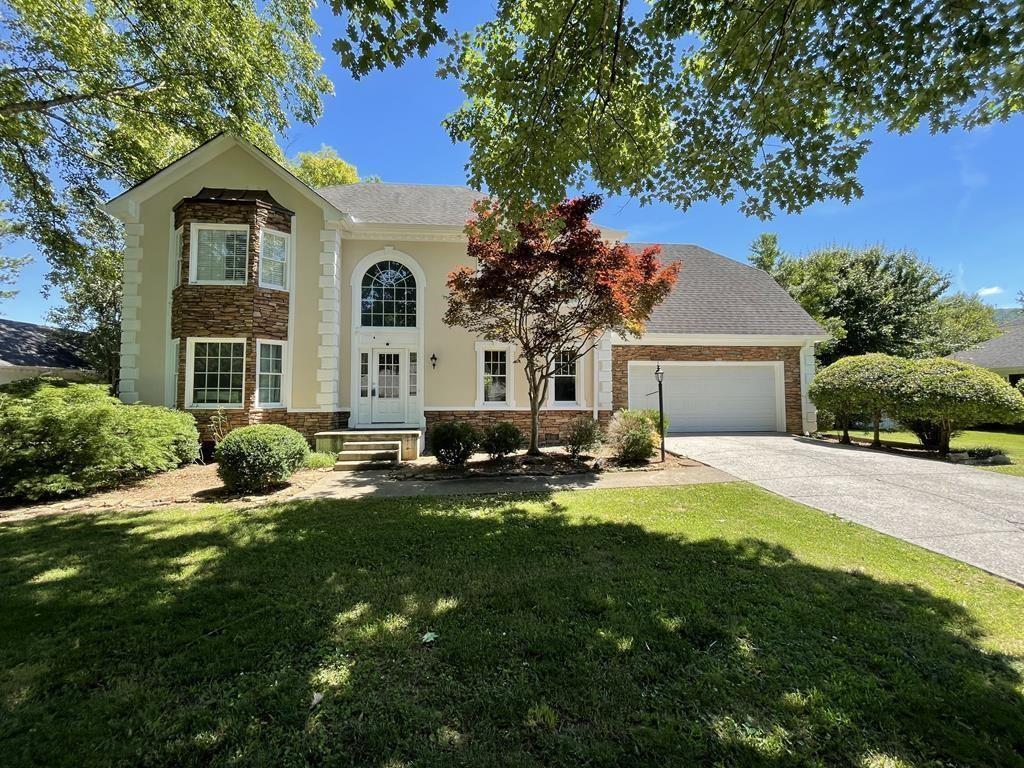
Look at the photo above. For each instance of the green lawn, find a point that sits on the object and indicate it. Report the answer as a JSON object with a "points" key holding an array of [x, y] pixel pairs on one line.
{"points": [[1011, 443], [710, 625]]}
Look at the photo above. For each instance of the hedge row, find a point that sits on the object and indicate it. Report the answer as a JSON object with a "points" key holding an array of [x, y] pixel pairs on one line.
{"points": [[933, 397]]}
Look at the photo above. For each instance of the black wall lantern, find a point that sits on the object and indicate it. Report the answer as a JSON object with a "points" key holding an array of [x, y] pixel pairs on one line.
{"points": [[433, 361]]}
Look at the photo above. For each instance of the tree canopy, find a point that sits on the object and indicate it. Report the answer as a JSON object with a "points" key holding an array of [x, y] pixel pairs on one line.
{"points": [[551, 295], [105, 93], [956, 322], [767, 103], [323, 168], [869, 300]]}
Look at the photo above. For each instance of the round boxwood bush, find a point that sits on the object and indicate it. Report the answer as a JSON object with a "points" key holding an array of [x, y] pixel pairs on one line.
{"points": [[861, 384], [453, 442], [584, 435], [501, 439], [255, 459], [633, 435], [952, 395]]}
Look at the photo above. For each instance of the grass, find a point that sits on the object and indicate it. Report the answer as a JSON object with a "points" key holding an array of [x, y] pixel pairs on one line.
{"points": [[1011, 443], [710, 625], [320, 460]]}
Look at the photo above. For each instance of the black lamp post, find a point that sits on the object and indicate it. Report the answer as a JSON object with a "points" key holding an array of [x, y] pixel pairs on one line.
{"points": [[660, 376]]}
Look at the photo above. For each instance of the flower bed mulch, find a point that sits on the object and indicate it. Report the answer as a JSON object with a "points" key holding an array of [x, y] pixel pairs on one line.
{"points": [[193, 484], [551, 464]]}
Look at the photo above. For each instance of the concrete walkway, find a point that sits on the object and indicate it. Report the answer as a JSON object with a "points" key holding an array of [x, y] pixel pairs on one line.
{"points": [[378, 483], [964, 512]]}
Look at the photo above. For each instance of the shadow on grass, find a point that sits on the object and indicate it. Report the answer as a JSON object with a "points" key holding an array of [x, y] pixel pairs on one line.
{"points": [[165, 639]]}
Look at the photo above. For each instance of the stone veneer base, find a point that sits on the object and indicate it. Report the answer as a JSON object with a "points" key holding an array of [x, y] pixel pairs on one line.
{"points": [[308, 423], [553, 423]]}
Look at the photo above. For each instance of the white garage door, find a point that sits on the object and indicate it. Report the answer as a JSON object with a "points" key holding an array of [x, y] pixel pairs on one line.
{"points": [[713, 397]]}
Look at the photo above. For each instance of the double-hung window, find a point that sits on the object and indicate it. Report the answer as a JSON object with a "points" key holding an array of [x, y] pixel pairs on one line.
{"points": [[218, 254], [274, 247], [564, 379], [216, 373], [494, 374], [270, 374]]}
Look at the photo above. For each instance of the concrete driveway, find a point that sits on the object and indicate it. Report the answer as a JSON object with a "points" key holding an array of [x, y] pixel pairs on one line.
{"points": [[964, 512]]}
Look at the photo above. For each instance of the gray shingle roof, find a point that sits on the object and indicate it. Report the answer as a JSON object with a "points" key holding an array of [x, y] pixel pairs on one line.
{"points": [[1004, 351], [37, 346], [718, 295], [427, 204]]}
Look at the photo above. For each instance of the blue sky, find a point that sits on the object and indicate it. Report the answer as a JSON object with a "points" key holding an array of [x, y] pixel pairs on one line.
{"points": [[955, 199]]}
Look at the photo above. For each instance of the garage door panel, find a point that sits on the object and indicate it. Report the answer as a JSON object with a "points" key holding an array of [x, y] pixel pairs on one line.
{"points": [[711, 398]]}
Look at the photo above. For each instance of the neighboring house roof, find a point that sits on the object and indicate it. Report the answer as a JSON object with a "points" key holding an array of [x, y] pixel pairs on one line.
{"points": [[716, 295], [1006, 315], [1002, 352], [423, 204], [37, 346]]}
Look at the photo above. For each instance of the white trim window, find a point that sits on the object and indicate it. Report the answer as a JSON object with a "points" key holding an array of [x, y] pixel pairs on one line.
{"points": [[179, 247], [414, 374], [275, 249], [215, 370], [218, 254], [565, 380], [270, 361], [174, 364], [494, 375]]}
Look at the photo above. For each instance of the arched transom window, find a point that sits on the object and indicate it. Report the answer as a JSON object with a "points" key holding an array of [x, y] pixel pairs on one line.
{"points": [[388, 297]]}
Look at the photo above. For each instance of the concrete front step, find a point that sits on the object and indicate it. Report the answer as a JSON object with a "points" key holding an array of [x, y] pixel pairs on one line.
{"points": [[342, 440], [388, 445], [369, 455], [349, 466]]}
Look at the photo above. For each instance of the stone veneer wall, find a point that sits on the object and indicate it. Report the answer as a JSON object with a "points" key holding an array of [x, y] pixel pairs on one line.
{"points": [[237, 311], [790, 357], [553, 423]]}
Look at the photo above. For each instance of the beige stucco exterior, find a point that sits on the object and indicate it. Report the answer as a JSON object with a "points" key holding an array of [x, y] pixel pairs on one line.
{"points": [[147, 360], [330, 252]]}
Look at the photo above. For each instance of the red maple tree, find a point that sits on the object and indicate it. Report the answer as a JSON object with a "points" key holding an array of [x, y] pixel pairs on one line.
{"points": [[553, 294]]}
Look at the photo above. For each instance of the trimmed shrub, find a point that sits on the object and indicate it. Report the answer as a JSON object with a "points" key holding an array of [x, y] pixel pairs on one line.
{"points": [[584, 435], [951, 395], [256, 458], [453, 442], [863, 384], [501, 439], [59, 438], [633, 435], [826, 420]]}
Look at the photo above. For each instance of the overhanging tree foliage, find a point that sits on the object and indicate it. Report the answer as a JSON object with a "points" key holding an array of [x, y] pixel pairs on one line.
{"points": [[768, 103], [551, 294], [105, 93]]}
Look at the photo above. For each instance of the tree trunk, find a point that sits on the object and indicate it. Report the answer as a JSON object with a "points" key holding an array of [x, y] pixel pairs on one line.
{"points": [[534, 449], [845, 439], [945, 433], [876, 441]]}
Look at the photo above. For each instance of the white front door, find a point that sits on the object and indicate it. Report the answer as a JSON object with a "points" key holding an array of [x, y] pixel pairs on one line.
{"points": [[387, 387]]}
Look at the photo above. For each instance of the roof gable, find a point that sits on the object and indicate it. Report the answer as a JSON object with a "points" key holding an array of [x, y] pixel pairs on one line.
{"points": [[125, 205], [716, 295]]}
